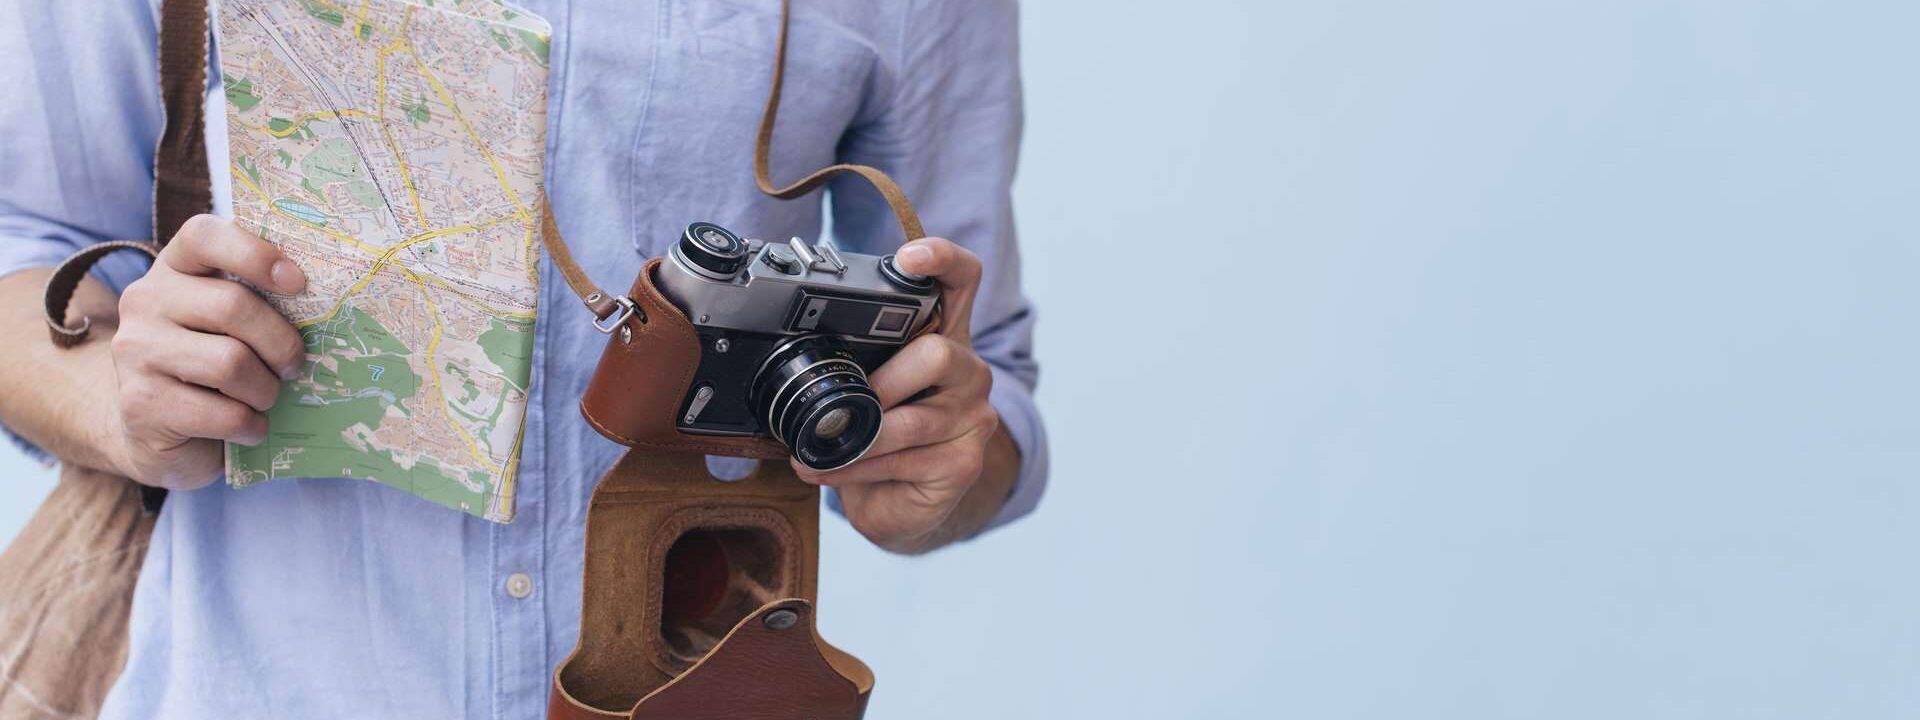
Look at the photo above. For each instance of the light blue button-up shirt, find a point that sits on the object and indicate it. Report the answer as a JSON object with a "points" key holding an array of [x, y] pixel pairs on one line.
{"points": [[346, 599]]}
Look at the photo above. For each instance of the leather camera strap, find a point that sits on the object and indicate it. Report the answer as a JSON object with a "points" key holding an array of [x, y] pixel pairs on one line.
{"points": [[604, 307], [763, 151]]}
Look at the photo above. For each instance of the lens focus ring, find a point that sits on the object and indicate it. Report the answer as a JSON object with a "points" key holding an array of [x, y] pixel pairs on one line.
{"points": [[814, 398]]}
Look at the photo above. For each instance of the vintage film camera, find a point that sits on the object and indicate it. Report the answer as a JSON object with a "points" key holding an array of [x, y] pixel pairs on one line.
{"points": [[788, 332]]}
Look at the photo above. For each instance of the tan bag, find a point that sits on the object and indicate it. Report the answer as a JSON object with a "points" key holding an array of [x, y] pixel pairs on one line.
{"points": [[66, 586], [66, 582]]}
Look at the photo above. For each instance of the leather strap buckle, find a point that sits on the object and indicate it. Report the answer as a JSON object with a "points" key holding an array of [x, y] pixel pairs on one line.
{"points": [[624, 309]]}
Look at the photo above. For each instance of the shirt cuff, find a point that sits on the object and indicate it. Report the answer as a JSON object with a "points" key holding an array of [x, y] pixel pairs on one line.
{"points": [[27, 243], [1014, 401]]}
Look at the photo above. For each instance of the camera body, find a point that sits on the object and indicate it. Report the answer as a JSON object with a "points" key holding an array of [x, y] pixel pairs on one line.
{"points": [[788, 332]]}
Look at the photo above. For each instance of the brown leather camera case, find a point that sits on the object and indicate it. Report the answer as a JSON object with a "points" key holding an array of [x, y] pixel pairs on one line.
{"points": [[643, 376], [697, 600], [698, 596]]}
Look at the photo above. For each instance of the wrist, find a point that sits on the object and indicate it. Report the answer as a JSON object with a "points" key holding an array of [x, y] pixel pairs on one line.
{"points": [[109, 438], [1000, 471]]}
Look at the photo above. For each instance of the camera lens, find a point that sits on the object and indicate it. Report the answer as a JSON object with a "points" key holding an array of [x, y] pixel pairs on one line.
{"points": [[710, 250], [833, 424], [815, 399]]}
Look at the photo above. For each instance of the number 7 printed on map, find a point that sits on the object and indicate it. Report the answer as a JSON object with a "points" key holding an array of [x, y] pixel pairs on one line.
{"points": [[394, 151]]}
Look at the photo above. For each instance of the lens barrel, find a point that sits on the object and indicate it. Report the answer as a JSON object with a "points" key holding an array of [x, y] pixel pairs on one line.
{"points": [[814, 398]]}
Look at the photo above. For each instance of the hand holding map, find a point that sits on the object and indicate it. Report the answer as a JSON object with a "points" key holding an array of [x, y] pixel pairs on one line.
{"points": [[394, 150]]}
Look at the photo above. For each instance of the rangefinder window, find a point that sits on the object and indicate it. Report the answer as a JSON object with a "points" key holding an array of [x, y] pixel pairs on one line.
{"points": [[892, 323], [854, 317]]}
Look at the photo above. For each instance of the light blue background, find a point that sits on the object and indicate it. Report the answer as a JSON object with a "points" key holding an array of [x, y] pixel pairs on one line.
{"points": [[1468, 360]]}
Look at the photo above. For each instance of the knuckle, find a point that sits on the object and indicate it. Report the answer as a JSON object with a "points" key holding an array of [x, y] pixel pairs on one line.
{"points": [[939, 350], [979, 367], [967, 463], [144, 296], [229, 418], [985, 418], [914, 426], [136, 395], [136, 292], [131, 349], [292, 347], [125, 345], [151, 444], [806, 473], [197, 228], [256, 253], [970, 466], [231, 359], [231, 297]]}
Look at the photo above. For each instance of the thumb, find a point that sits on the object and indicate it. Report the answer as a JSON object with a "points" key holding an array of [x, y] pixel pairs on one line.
{"points": [[958, 271]]}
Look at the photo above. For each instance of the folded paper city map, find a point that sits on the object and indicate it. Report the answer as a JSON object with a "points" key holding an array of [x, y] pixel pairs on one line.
{"points": [[394, 150]]}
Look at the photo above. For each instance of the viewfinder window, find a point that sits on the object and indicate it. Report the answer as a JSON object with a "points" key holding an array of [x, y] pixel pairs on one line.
{"points": [[892, 322]]}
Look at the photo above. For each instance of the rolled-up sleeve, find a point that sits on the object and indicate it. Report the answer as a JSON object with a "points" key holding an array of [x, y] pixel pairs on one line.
{"points": [[77, 132], [77, 128], [949, 131]]}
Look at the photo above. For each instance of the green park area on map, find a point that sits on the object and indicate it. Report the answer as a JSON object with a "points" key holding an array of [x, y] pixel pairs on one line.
{"points": [[394, 150]]}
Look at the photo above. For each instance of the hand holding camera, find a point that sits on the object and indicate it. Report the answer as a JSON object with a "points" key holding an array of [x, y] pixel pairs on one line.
{"points": [[937, 424], [831, 353]]}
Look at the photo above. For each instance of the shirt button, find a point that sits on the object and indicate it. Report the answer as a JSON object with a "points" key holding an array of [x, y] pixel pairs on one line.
{"points": [[519, 586]]}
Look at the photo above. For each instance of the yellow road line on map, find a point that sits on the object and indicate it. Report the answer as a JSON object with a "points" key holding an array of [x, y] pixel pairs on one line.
{"points": [[498, 173], [325, 5], [301, 121], [385, 259], [533, 260], [505, 504], [443, 232], [241, 175], [484, 305], [433, 368], [380, 75]]}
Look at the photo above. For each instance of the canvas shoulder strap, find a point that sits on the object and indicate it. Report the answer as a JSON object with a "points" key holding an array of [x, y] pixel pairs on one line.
{"points": [[181, 188]]}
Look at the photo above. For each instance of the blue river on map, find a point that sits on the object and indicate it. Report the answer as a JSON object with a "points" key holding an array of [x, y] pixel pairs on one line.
{"points": [[301, 210]]}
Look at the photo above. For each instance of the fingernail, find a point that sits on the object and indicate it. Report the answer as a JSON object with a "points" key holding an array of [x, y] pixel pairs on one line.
{"points": [[288, 278], [289, 372], [916, 255]]}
